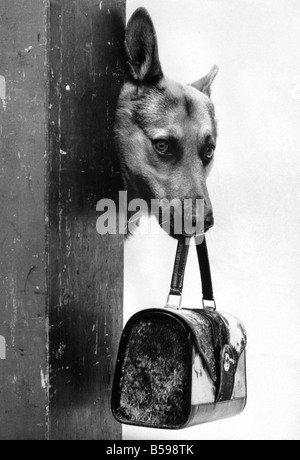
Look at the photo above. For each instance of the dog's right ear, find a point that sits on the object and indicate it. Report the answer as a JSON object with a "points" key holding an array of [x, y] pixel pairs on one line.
{"points": [[142, 49], [204, 84]]}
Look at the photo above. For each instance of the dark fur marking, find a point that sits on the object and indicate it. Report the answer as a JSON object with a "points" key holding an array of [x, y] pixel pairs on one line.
{"points": [[189, 106]]}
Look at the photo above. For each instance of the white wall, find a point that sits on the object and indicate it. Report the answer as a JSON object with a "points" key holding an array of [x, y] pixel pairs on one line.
{"points": [[255, 190]]}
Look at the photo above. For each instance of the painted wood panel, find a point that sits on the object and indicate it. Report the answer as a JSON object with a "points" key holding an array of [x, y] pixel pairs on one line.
{"points": [[61, 283], [23, 148], [85, 268]]}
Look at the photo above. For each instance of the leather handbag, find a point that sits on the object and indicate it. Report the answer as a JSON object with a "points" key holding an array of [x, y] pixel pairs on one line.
{"points": [[179, 367]]}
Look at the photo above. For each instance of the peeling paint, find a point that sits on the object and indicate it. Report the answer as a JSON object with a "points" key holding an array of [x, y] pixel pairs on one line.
{"points": [[2, 347], [61, 350], [3, 91], [43, 380], [14, 306], [13, 379]]}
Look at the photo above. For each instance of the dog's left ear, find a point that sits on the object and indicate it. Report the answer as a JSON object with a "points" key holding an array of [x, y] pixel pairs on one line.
{"points": [[142, 49], [204, 84]]}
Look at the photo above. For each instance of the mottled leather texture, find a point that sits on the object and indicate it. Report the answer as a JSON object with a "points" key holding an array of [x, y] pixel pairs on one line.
{"points": [[178, 368]]}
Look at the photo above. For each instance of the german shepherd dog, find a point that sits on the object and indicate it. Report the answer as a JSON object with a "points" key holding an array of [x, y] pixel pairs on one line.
{"points": [[165, 131]]}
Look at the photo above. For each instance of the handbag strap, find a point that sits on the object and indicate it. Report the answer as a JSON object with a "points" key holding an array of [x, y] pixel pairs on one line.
{"points": [[182, 252], [179, 270], [204, 265]]}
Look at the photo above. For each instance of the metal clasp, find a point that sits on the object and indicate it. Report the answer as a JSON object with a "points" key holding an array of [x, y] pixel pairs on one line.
{"points": [[209, 304], [175, 305], [227, 362]]}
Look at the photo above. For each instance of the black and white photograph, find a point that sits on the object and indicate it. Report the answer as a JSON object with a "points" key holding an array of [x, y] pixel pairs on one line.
{"points": [[150, 222]]}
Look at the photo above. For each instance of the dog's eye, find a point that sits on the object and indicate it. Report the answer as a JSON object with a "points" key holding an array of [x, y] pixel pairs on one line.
{"points": [[161, 146], [209, 152]]}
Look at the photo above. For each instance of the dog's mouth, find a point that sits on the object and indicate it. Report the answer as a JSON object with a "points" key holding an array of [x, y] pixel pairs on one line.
{"points": [[208, 224], [176, 226]]}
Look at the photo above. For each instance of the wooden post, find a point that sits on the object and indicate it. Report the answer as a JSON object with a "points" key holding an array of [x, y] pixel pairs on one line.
{"points": [[61, 283], [23, 126], [85, 269]]}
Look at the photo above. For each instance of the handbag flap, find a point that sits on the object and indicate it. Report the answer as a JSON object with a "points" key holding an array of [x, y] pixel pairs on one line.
{"points": [[211, 331], [203, 336]]}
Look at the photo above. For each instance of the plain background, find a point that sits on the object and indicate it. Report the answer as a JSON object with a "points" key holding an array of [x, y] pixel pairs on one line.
{"points": [[255, 190]]}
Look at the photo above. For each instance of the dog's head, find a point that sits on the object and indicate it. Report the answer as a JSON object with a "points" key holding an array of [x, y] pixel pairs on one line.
{"points": [[165, 131]]}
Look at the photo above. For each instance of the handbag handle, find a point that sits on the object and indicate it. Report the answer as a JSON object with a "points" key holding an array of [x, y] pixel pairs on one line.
{"points": [[179, 270], [204, 265]]}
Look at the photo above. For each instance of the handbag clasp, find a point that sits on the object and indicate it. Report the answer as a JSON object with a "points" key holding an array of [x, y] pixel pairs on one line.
{"points": [[172, 303]]}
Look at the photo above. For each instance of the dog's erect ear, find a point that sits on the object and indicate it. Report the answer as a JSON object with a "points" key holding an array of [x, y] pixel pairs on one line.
{"points": [[204, 84], [141, 47]]}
